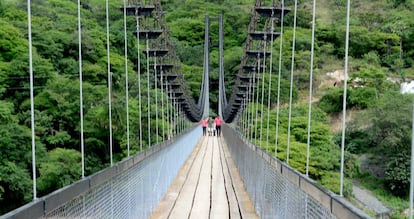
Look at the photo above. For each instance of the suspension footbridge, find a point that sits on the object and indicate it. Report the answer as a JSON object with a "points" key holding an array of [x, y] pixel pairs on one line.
{"points": [[183, 174]]}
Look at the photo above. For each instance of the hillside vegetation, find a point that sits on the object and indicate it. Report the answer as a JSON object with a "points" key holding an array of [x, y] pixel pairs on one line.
{"points": [[381, 48]]}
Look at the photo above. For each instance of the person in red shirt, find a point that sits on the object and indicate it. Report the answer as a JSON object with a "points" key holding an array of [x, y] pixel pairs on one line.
{"points": [[204, 125], [217, 120]]}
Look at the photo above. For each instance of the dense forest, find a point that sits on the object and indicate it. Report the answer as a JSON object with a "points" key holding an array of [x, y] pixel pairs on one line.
{"points": [[378, 133]]}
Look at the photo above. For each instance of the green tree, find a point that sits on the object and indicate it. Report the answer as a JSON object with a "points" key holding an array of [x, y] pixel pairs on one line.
{"points": [[397, 176], [62, 168], [15, 186], [362, 97], [385, 133], [1, 8], [12, 42]]}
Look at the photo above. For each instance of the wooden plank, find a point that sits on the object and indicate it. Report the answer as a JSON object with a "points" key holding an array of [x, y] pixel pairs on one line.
{"points": [[165, 207], [219, 202], [231, 194], [246, 205], [201, 204], [183, 205], [208, 186]]}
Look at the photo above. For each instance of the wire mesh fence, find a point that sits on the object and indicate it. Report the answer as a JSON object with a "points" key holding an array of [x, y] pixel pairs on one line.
{"points": [[135, 192], [273, 195]]}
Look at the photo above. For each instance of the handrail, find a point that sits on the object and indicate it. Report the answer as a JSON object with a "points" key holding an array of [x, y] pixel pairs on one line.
{"points": [[240, 148]]}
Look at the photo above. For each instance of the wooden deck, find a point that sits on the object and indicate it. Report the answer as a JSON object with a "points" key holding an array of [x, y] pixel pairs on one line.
{"points": [[207, 186]]}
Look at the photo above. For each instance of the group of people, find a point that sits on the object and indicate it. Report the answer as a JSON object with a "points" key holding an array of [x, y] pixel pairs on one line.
{"points": [[211, 126]]}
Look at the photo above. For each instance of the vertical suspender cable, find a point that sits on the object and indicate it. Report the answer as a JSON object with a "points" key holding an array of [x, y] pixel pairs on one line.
{"points": [[186, 121], [291, 80], [171, 112], [253, 105], [127, 99], [412, 166], [148, 95], [247, 130], [221, 71], [139, 88], [247, 108], [109, 82], [168, 110], [263, 88], [177, 113], [279, 75], [81, 91], [29, 26], [172, 109], [181, 116], [310, 86], [178, 119], [109, 98], [206, 69], [348, 11], [181, 119], [270, 79], [162, 104], [156, 98], [139, 83], [242, 117], [245, 111], [175, 117], [257, 101], [126, 79]]}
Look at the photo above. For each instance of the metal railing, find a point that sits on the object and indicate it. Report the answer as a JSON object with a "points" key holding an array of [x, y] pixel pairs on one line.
{"points": [[130, 189], [279, 191]]}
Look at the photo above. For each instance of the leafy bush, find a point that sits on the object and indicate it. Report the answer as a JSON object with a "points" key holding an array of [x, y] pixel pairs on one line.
{"points": [[357, 139], [352, 166], [332, 100], [362, 97], [384, 130], [397, 176]]}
